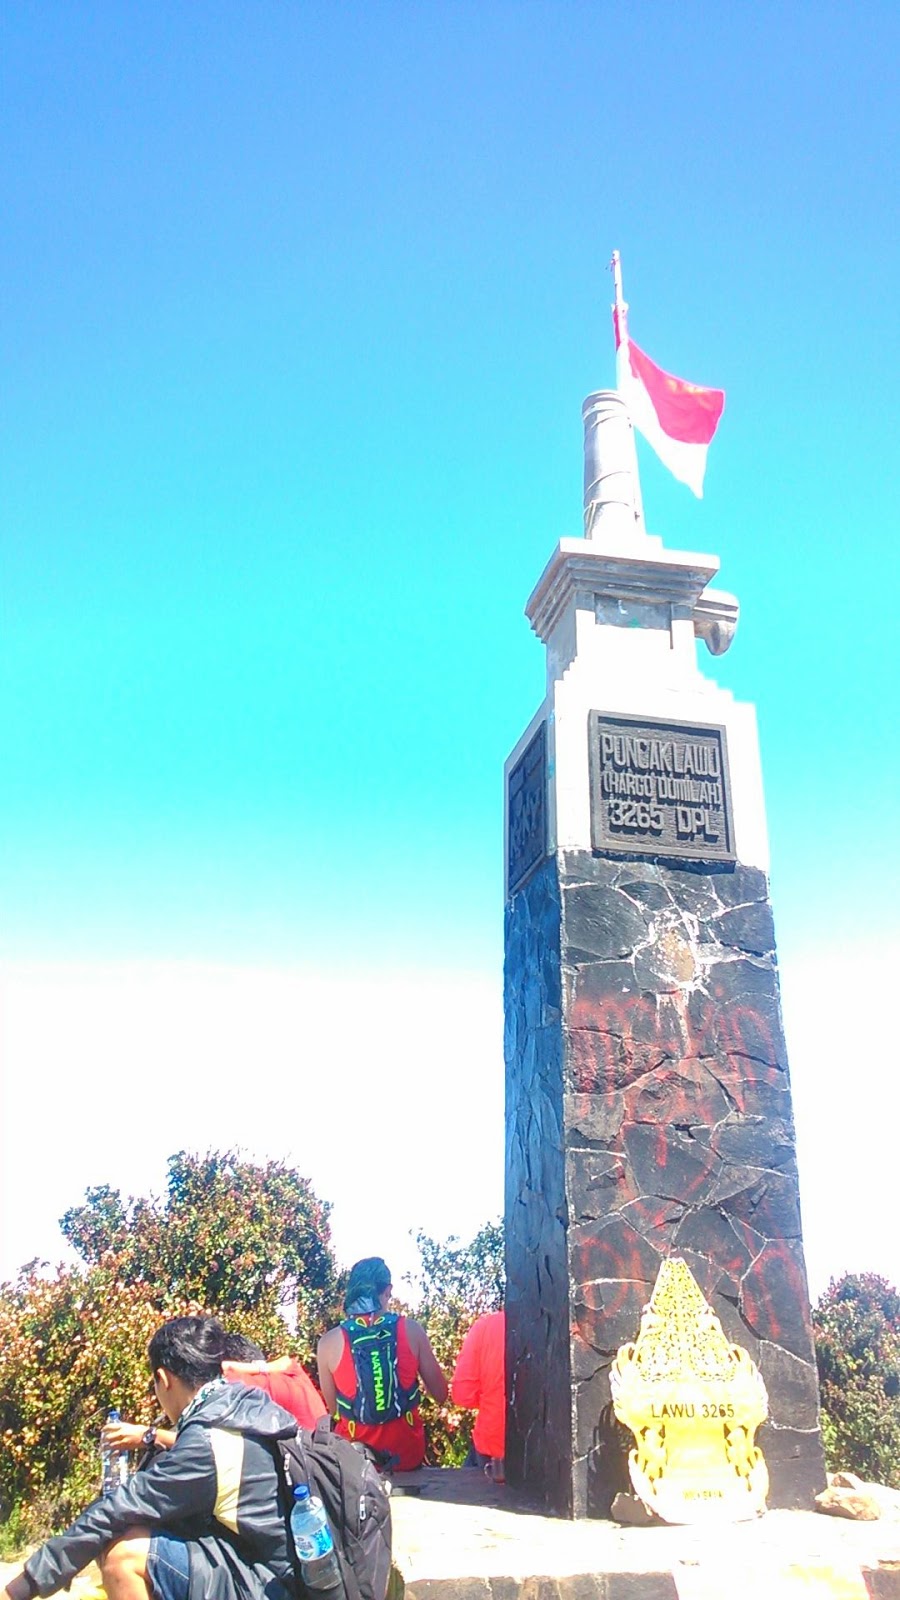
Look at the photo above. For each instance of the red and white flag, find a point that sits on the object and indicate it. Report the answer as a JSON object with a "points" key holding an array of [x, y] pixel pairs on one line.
{"points": [[677, 418]]}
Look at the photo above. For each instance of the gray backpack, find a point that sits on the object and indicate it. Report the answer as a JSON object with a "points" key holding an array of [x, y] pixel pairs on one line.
{"points": [[344, 1477]]}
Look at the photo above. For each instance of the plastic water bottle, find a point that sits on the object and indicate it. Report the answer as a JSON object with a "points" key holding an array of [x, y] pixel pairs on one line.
{"points": [[319, 1567], [113, 1463]]}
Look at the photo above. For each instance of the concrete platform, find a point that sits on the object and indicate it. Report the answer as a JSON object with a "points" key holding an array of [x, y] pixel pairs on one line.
{"points": [[459, 1537]]}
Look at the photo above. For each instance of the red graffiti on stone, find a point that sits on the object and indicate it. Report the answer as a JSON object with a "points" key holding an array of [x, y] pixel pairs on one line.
{"points": [[616, 1039]]}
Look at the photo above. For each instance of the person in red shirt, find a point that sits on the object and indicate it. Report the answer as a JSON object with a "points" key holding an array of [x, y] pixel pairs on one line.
{"points": [[479, 1384], [284, 1380], [370, 1366]]}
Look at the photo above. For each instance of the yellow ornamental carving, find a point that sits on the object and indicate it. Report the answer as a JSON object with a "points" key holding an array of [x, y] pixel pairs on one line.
{"points": [[693, 1402]]}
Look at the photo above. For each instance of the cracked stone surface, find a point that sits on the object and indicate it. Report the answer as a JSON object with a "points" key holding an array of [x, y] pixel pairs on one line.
{"points": [[461, 1539], [648, 1114]]}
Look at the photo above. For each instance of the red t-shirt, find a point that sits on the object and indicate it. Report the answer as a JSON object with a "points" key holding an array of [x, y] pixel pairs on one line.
{"points": [[402, 1437], [287, 1383], [479, 1382]]}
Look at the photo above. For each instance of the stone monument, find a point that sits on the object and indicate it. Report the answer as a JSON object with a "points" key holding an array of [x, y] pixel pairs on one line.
{"points": [[648, 1103]]}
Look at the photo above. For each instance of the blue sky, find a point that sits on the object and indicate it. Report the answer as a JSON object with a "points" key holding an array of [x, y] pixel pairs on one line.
{"points": [[301, 302]]}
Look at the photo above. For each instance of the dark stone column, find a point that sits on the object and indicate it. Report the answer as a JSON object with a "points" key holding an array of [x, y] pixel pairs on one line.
{"points": [[539, 1431], [648, 1114]]}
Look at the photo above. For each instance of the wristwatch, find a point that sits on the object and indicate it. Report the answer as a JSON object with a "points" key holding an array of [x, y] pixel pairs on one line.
{"points": [[149, 1439]]}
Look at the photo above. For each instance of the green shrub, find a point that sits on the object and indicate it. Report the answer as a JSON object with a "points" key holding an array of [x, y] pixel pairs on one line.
{"points": [[244, 1242], [857, 1332], [240, 1241], [14, 1539], [456, 1283]]}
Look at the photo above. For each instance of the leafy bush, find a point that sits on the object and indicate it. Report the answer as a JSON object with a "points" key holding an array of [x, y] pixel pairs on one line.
{"points": [[456, 1283], [231, 1235], [243, 1242], [248, 1243], [857, 1331]]}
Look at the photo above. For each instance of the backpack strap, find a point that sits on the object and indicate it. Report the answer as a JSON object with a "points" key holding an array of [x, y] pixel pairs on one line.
{"points": [[323, 1433]]}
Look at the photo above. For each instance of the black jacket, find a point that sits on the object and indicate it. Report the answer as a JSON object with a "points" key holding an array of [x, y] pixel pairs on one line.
{"points": [[217, 1486]]}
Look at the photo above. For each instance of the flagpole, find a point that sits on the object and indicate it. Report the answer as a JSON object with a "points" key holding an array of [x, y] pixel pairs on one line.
{"points": [[620, 308], [616, 265], [620, 323]]}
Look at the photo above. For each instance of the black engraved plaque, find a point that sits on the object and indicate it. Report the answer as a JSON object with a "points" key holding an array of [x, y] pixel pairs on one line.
{"points": [[659, 789], [527, 811]]}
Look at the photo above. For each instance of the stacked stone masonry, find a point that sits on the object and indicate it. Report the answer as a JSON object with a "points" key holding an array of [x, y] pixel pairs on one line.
{"points": [[648, 1114]]}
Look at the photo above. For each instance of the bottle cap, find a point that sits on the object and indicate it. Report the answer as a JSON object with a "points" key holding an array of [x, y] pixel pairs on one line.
{"points": [[301, 1491], [113, 1415]]}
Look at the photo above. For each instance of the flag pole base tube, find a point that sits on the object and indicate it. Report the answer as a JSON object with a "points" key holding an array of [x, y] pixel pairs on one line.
{"points": [[612, 493]]}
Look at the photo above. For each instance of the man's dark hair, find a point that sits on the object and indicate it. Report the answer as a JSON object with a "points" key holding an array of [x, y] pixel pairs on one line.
{"points": [[239, 1348], [191, 1348]]}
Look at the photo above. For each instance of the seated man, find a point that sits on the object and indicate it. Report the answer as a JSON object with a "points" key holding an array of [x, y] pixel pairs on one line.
{"points": [[204, 1518], [370, 1366], [479, 1384]]}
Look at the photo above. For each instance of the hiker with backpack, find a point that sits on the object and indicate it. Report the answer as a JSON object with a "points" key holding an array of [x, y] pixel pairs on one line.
{"points": [[372, 1368], [205, 1517], [209, 1517]]}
